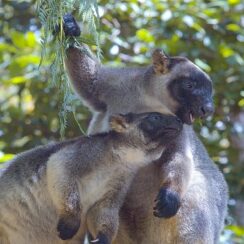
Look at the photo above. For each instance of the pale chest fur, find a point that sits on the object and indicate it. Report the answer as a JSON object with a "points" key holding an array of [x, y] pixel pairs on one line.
{"points": [[95, 185], [106, 178]]}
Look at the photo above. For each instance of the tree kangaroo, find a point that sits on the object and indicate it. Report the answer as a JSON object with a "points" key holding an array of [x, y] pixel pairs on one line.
{"points": [[50, 192], [198, 204]]}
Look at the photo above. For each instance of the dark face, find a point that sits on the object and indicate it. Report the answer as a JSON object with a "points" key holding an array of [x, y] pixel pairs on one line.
{"points": [[193, 93], [160, 128], [149, 132]]}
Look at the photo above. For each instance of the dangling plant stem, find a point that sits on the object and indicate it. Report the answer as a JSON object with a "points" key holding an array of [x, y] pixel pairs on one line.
{"points": [[50, 13]]}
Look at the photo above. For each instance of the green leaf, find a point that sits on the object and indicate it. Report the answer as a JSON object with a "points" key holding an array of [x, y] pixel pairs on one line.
{"points": [[233, 2], [25, 60], [18, 39], [226, 51], [233, 27], [144, 35], [238, 230], [31, 39], [6, 157], [209, 11], [17, 80], [202, 65], [4, 47], [241, 103]]}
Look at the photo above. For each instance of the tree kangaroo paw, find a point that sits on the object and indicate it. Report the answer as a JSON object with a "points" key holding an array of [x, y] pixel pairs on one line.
{"points": [[167, 203], [67, 227], [70, 25]]}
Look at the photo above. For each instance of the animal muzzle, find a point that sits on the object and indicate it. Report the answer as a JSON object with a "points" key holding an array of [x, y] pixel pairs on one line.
{"points": [[206, 110], [172, 127]]}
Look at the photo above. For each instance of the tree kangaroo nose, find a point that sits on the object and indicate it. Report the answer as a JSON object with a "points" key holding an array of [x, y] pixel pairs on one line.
{"points": [[178, 120], [207, 109]]}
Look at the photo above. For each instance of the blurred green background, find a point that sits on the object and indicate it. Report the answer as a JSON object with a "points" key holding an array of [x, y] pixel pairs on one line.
{"points": [[210, 33]]}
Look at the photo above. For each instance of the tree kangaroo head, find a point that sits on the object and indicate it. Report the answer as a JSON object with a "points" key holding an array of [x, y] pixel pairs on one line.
{"points": [[149, 132], [182, 86]]}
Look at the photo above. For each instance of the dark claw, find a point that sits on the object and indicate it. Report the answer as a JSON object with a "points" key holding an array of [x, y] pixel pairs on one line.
{"points": [[68, 227], [167, 203]]}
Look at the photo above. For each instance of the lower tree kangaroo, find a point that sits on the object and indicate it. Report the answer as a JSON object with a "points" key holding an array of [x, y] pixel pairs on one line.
{"points": [[56, 192]]}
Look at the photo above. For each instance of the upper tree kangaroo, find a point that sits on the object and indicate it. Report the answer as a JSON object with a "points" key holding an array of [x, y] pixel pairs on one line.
{"points": [[175, 85], [54, 192]]}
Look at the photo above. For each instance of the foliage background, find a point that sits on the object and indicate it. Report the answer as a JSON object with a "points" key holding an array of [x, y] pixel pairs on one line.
{"points": [[210, 33]]}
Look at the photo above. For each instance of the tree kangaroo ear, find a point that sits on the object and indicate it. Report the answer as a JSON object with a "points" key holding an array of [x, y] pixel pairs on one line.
{"points": [[118, 123], [160, 62]]}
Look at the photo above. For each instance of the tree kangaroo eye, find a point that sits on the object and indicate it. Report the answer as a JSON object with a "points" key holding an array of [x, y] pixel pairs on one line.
{"points": [[189, 85]]}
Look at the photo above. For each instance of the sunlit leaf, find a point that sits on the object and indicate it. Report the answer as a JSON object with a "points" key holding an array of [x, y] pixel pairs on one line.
{"points": [[226, 51], [4, 47], [238, 230], [198, 27], [18, 39], [241, 103], [234, 2], [17, 80], [202, 65], [25, 60], [209, 11], [233, 27], [5, 157], [30, 39], [144, 35]]}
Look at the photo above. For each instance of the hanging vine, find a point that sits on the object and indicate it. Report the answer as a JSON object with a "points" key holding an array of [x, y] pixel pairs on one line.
{"points": [[50, 13]]}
